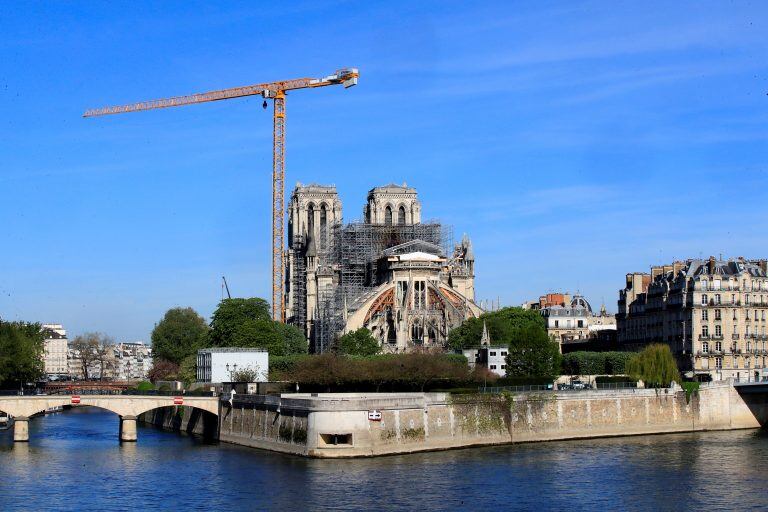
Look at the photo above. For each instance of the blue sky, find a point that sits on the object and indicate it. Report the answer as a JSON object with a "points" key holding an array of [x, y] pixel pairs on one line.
{"points": [[573, 141]]}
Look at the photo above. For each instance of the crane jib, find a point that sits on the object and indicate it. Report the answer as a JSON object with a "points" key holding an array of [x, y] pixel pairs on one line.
{"points": [[222, 94], [276, 91]]}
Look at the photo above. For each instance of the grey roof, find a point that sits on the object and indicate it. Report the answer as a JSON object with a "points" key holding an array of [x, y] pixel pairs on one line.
{"points": [[394, 188]]}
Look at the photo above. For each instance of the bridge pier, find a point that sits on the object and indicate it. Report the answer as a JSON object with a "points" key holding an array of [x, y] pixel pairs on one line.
{"points": [[128, 429], [21, 429]]}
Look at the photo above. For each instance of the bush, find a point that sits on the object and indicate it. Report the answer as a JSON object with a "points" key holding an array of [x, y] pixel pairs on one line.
{"points": [[393, 372], [655, 366], [280, 366], [523, 381], [145, 386], [609, 379], [360, 342], [595, 363]]}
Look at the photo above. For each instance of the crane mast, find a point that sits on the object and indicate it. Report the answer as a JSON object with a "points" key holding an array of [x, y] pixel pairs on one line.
{"points": [[275, 91]]}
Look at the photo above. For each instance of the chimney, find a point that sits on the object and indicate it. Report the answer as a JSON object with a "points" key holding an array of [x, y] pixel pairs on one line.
{"points": [[711, 265]]}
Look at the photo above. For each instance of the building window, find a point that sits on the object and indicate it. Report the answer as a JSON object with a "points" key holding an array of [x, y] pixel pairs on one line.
{"points": [[323, 226], [718, 330], [503, 354], [719, 363], [704, 284], [420, 297], [581, 322], [503, 367], [388, 215], [401, 215], [705, 330], [717, 298], [704, 314], [746, 299], [717, 314], [718, 346], [749, 346], [493, 367], [735, 316], [557, 323], [493, 353], [705, 347], [703, 299]]}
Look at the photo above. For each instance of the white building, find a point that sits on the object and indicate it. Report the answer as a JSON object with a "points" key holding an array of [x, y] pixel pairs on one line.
{"points": [[55, 351], [493, 358], [132, 360], [222, 364]]}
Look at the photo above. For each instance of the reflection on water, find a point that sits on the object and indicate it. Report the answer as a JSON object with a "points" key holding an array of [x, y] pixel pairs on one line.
{"points": [[75, 462]]}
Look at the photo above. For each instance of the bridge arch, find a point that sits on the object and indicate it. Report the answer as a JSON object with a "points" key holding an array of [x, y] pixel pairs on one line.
{"points": [[127, 407]]}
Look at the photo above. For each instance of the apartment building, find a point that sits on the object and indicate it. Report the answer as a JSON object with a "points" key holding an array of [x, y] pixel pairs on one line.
{"points": [[712, 314]]}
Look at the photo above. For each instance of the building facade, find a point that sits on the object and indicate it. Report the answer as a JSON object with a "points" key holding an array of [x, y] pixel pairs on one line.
{"points": [[389, 273], [712, 314], [132, 360], [571, 319], [55, 351]]}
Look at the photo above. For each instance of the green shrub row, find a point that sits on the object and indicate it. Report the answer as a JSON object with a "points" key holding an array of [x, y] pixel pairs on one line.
{"points": [[595, 363]]}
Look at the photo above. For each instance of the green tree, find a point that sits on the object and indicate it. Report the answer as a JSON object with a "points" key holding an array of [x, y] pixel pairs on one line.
{"points": [[655, 365], [21, 352], [532, 354], [188, 369], [178, 335], [231, 314], [246, 323], [505, 326], [358, 343]]}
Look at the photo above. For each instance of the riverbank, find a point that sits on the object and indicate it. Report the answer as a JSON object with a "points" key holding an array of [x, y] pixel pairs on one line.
{"points": [[355, 425], [370, 424]]}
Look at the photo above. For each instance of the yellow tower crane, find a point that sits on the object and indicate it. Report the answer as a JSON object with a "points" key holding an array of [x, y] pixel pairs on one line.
{"points": [[275, 91]]}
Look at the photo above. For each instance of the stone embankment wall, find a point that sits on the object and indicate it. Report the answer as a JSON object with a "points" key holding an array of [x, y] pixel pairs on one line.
{"points": [[339, 425]]}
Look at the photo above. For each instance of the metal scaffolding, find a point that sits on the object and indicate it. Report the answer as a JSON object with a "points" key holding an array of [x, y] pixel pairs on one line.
{"points": [[353, 252]]}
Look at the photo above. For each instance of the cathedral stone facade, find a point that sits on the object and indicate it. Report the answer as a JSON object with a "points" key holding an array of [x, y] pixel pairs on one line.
{"points": [[389, 273]]}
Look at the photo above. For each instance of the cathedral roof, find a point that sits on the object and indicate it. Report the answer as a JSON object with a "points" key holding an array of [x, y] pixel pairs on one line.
{"points": [[392, 188], [414, 246]]}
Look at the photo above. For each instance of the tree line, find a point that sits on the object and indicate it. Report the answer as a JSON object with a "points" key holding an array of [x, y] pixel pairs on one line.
{"points": [[241, 322]]}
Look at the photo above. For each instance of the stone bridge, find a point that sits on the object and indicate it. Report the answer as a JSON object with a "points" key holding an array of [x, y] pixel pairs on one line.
{"points": [[128, 407]]}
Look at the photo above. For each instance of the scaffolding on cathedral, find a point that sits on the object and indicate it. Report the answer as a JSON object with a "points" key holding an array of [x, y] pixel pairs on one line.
{"points": [[352, 254]]}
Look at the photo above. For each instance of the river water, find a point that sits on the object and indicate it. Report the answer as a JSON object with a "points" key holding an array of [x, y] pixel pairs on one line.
{"points": [[74, 462]]}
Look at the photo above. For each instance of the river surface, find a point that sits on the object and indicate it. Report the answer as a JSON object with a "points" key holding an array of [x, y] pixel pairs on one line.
{"points": [[74, 462]]}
